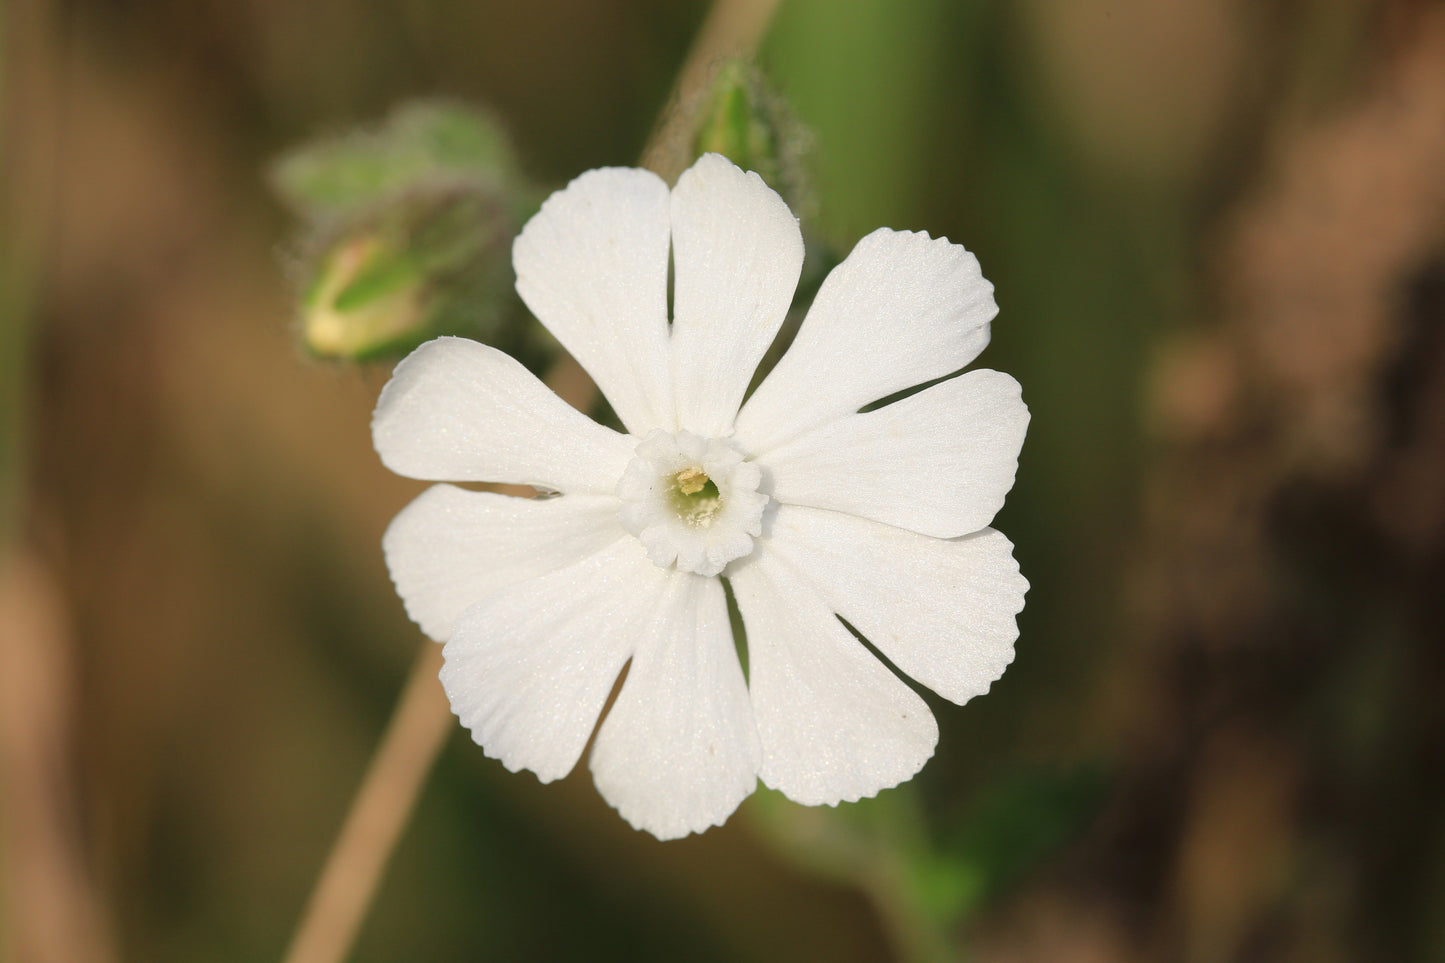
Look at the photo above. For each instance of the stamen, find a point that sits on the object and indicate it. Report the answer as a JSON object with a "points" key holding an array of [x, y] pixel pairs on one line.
{"points": [[691, 481], [693, 502]]}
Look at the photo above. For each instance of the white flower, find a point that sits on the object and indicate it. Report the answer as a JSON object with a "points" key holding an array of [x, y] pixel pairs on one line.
{"points": [[812, 511]]}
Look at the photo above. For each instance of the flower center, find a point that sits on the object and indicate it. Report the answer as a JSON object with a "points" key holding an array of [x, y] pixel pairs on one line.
{"points": [[695, 497], [693, 502]]}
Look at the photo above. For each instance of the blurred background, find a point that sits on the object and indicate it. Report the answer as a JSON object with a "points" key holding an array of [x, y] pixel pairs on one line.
{"points": [[1215, 228]]}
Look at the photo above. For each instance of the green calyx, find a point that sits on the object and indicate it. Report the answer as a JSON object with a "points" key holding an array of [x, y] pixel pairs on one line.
{"points": [[751, 125], [407, 232]]}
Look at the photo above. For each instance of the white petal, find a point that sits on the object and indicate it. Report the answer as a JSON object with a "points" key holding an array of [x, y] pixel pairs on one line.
{"points": [[592, 266], [938, 462], [737, 252], [679, 750], [835, 723], [902, 309], [456, 410], [943, 610], [451, 547], [529, 669]]}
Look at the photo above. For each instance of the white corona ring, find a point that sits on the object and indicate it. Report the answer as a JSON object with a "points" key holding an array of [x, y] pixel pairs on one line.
{"points": [[693, 502]]}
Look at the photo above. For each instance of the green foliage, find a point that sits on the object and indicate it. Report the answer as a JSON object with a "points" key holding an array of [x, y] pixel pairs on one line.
{"points": [[1014, 825], [932, 875]]}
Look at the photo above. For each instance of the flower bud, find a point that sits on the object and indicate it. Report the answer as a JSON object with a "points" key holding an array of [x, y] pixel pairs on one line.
{"points": [[361, 300], [408, 232], [751, 125]]}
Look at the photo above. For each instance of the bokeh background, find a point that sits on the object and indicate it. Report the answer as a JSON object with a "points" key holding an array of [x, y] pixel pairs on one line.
{"points": [[1215, 228]]}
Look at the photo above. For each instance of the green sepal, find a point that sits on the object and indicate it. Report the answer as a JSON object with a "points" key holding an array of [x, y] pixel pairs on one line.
{"points": [[423, 142], [751, 125], [407, 235]]}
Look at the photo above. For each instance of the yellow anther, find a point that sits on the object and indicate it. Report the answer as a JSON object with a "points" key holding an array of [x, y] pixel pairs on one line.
{"points": [[691, 481]]}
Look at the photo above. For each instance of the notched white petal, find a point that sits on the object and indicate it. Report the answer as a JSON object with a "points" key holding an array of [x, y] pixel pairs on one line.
{"points": [[942, 610], [679, 750], [901, 310], [836, 725], [456, 410], [592, 266], [541, 604], [737, 252], [529, 668], [938, 462], [451, 547]]}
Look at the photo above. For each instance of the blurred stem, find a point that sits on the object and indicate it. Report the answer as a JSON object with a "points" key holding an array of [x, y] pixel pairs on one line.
{"points": [[51, 908], [413, 738], [733, 30], [29, 51], [417, 729]]}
